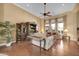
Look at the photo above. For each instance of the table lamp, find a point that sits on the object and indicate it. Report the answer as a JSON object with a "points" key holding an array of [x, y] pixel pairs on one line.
{"points": [[65, 32]]}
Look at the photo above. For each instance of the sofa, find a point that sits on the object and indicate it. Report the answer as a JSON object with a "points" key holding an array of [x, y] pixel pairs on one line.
{"points": [[49, 42]]}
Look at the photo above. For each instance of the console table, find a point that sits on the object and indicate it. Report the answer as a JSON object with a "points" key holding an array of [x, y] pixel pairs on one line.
{"points": [[66, 37]]}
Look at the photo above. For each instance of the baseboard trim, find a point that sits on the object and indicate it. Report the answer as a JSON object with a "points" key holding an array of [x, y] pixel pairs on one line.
{"points": [[7, 44]]}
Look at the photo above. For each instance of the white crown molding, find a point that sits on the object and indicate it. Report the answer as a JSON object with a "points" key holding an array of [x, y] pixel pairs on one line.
{"points": [[25, 10], [40, 17], [19, 6]]}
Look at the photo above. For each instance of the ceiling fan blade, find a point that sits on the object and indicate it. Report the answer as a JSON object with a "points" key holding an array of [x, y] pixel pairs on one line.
{"points": [[48, 12], [41, 13], [49, 15]]}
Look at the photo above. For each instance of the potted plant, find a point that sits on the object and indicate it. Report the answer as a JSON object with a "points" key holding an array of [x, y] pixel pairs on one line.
{"points": [[6, 31]]}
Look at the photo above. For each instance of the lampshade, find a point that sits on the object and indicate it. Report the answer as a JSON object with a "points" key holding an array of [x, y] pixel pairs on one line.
{"points": [[66, 30]]}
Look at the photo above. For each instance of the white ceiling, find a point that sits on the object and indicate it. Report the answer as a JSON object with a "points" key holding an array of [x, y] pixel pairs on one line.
{"points": [[54, 8]]}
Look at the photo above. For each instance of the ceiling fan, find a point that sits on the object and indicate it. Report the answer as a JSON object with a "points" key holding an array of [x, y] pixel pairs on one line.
{"points": [[46, 13]]}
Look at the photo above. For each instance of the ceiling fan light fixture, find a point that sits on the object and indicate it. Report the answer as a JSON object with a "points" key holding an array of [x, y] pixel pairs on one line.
{"points": [[44, 14], [44, 3]]}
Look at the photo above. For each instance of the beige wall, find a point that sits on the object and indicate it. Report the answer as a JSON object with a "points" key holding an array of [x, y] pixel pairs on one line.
{"points": [[73, 22], [72, 25], [1, 11], [78, 19], [15, 14], [77, 9], [42, 26]]}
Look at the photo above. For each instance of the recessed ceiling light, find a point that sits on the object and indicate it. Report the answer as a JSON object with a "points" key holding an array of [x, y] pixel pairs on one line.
{"points": [[28, 5], [62, 4]]}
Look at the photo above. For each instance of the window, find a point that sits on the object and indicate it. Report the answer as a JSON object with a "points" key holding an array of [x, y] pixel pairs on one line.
{"points": [[46, 25], [60, 26], [53, 24]]}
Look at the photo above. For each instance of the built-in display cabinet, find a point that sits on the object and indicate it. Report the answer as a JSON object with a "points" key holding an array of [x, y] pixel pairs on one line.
{"points": [[23, 30]]}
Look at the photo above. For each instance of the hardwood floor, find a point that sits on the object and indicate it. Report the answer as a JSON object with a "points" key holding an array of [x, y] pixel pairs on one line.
{"points": [[25, 48]]}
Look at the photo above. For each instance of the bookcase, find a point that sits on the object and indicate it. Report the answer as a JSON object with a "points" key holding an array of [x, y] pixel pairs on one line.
{"points": [[23, 30]]}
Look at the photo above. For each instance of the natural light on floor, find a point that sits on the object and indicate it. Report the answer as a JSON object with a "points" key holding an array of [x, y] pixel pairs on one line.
{"points": [[61, 46]]}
